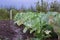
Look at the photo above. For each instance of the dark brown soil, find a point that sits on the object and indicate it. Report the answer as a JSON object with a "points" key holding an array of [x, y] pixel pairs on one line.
{"points": [[13, 32], [10, 30]]}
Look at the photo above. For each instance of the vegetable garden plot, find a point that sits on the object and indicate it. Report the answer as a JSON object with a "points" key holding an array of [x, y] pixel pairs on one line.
{"points": [[32, 26]]}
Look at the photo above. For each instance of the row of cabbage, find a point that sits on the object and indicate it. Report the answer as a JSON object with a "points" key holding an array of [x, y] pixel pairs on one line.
{"points": [[52, 16]]}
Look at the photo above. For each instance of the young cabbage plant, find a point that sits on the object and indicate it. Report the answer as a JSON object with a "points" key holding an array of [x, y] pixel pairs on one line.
{"points": [[35, 22]]}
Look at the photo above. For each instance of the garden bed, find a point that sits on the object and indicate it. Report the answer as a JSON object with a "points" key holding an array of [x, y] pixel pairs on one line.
{"points": [[10, 30]]}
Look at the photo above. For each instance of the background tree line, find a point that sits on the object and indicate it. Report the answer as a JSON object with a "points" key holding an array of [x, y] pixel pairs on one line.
{"points": [[54, 7]]}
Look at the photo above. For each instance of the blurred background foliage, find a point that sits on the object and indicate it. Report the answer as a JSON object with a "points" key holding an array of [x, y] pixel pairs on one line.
{"points": [[54, 7], [4, 14]]}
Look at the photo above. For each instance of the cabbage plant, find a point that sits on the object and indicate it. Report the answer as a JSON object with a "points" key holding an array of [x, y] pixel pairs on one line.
{"points": [[35, 22]]}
